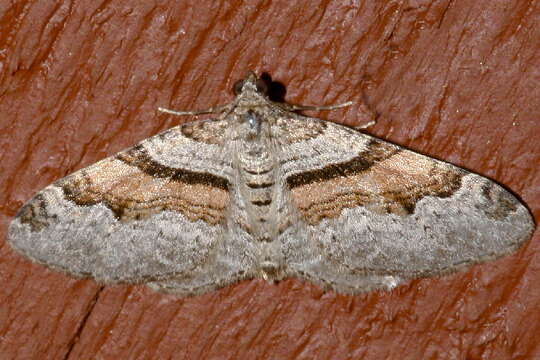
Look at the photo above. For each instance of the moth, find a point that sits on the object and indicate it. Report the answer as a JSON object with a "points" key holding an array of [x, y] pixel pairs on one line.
{"points": [[262, 191]]}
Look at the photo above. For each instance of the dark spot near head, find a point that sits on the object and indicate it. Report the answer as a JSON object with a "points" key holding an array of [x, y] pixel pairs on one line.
{"points": [[262, 87], [274, 90], [237, 87]]}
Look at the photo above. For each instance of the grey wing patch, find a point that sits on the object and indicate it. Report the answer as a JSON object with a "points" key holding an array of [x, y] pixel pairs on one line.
{"points": [[153, 213], [383, 214]]}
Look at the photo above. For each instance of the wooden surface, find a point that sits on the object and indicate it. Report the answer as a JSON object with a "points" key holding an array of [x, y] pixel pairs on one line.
{"points": [[456, 80]]}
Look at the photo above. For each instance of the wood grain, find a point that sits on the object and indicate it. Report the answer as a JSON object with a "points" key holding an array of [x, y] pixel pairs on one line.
{"points": [[454, 80]]}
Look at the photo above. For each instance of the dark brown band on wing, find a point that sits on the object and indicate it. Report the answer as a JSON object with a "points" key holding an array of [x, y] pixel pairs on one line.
{"points": [[134, 187], [400, 202], [124, 208], [139, 158], [389, 181], [376, 152]]}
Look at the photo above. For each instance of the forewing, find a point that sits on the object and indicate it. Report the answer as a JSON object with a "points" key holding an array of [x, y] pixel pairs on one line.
{"points": [[155, 212], [372, 214]]}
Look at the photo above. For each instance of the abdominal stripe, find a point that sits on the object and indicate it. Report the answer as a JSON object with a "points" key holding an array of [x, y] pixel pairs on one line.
{"points": [[261, 202], [260, 185]]}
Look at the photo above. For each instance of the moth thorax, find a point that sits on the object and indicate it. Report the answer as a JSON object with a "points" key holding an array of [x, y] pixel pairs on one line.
{"points": [[254, 120], [252, 123]]}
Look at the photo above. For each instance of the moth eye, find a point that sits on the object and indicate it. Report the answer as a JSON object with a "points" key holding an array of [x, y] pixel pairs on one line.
{"points": [[237, 87], [262, 87]]}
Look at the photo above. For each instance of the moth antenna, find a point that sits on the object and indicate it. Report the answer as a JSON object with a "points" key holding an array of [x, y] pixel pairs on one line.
{"points": [[292, 107], [212, 110], [366, 125]]}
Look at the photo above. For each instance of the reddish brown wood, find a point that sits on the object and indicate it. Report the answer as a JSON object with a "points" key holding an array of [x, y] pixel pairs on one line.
{"points": [[459, 81]]}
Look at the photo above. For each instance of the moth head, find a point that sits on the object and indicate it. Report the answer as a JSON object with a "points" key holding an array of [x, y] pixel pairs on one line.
{"points": [[251, 83]]}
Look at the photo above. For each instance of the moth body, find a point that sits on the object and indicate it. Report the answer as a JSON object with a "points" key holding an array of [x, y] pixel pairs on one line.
{"points": [[262, 191], [258, 188]]}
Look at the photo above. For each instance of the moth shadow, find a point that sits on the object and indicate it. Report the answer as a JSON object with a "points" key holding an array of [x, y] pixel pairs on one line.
{"points": [[276, 90]]}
